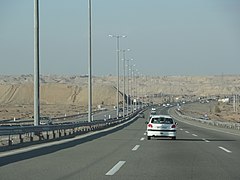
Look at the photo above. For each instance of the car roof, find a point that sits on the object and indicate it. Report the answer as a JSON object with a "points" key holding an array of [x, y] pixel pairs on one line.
{"points": [[158, 116]]}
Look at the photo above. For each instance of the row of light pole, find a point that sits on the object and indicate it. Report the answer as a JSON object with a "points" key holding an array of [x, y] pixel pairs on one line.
{"points": [[131, 69], [132, 93], [117, 67], [36, 68]]}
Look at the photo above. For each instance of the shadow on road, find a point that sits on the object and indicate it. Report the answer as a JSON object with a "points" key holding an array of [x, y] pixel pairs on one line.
{"points": [[54, 148]]}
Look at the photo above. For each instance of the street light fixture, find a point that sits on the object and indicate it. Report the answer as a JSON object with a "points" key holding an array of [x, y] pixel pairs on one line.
{"points": [[118, 55]]}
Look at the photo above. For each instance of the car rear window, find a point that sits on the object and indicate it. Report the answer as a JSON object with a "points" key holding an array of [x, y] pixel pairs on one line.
{"points": [[162, 120], [153, 113]]}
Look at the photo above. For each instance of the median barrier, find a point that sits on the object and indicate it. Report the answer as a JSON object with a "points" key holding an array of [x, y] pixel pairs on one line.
{"points": [[15, 136]]}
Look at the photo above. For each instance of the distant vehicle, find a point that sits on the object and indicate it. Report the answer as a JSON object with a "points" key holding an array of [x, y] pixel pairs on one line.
{"points": [[161, 126], [45, 120], [153, 111], [205, 117]]}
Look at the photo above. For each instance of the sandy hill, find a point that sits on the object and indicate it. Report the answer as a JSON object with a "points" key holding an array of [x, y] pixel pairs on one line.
{"points": [[69, 94], [56, 93]]}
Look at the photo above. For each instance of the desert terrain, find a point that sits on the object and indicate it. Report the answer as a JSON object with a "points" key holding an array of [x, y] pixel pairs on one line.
{"points": [[60, 95]]}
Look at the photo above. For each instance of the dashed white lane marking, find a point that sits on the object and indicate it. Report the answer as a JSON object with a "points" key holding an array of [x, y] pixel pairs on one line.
{"points": [[186, 132], [115, 168], [181, 129], [224, 149], [136, 147], [195, 135], [142, 139], [206, 140]]}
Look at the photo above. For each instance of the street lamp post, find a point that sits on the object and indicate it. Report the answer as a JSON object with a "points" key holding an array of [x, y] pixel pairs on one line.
{"points": [[36, 63], [90, 62], [123, 83], [118, 55], [129, 98], [136, 86], [135, 89], [128, 92], [124, 92], [135, 92], [131, 88]]}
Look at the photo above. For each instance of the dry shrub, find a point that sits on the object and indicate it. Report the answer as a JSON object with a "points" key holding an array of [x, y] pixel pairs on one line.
{"points": [[217, 109]]}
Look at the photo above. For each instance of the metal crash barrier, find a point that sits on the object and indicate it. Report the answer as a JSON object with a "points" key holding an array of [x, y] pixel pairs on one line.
{"points": [[230, 125], [10, 136]]}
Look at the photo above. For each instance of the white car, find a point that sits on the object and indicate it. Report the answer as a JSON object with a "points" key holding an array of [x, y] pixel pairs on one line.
{"points": [[161, 126], [153, 111], [45, 121]]}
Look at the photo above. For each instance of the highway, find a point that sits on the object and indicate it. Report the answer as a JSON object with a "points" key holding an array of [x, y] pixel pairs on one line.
{"points": [[96, 116], [124, 153]]}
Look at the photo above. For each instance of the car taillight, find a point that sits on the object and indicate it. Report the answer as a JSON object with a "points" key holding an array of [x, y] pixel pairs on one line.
{"points": [[173, 126], [150, 125]]}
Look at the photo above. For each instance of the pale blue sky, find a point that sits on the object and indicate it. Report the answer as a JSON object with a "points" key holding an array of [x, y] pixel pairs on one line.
{"points": [[166, 37]]}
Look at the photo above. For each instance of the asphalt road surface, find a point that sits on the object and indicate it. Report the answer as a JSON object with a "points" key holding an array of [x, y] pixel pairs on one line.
{"points": [[125, 154]]}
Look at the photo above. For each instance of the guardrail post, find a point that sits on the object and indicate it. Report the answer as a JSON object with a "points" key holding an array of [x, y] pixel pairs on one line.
{"points": [[40, 136], [65, 133], [10, 141], [31, 137], [54, 135], [47, 135], [20, 138]]}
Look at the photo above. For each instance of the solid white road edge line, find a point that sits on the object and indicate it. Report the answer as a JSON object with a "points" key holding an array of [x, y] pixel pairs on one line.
{"points": [[136, 147], [115, 168], [224, 149]]}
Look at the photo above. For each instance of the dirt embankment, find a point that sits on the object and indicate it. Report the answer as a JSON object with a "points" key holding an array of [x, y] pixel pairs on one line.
{"points": [[61, 94], [56, 99], [213, 110]]}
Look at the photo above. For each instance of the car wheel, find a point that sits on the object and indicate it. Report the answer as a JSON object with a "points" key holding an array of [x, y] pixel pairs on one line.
{"points": [[149, 138]]}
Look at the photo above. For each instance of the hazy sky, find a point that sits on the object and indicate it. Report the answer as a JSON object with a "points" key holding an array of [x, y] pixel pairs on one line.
{"points": [[166, 37]]}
